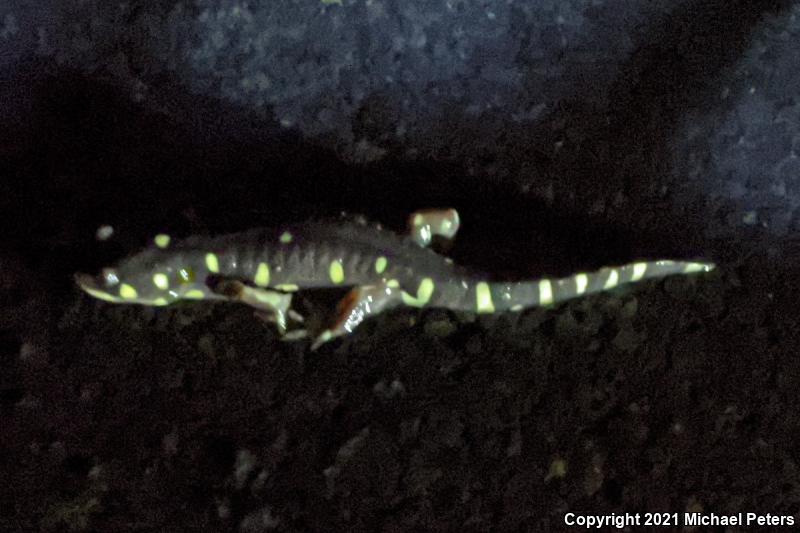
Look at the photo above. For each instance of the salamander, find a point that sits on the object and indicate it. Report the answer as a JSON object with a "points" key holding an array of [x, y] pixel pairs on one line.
{"points": [[264, 267]]}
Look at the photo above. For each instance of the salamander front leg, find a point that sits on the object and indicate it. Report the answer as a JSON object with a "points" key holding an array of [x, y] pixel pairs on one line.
{"points": [[358, 305], [425, 224], [271, 306]]}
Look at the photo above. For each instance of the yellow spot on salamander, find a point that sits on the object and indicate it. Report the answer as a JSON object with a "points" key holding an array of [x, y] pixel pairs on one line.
{"points": [[212, 263], [128, 292], [483, 296], [638, 271], [336, 271], [698, 267], [160, 302], [613, 279], [393, 283], [581, 282], [262, 275], [101, 295], [161, 281], [194, 294], [425, 290], [161, 240], [287, 287], [380, 264], [286, 237], [517, 307], [545, 292], [409, 299], [424, 293]]}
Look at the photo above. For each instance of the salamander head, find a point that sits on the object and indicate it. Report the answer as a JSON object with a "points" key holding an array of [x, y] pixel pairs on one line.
{"points": [[148, 278]]}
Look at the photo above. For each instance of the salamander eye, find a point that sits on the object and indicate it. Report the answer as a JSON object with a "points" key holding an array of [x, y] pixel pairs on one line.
{"points": [[110, 277]]}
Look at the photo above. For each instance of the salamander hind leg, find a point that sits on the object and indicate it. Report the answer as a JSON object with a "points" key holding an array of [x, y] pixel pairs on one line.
{"points": [[271, 306], [426, 224], [358, 305]]}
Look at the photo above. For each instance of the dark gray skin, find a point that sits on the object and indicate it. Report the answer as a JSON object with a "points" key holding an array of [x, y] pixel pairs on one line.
{"points": [[263, 267]]}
